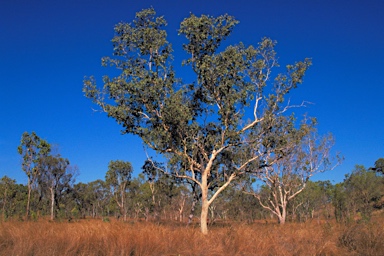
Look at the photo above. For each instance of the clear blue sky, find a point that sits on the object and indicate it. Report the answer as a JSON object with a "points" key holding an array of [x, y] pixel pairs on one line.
{"points": [[47, 47]]}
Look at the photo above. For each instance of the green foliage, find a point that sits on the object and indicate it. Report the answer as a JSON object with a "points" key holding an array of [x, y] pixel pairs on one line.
{"points": [[32, 148], [56, 179], [358, 194], [379, 166], [340, 203], [119, 172], [285, 170], [235, 205], [147, 100], [201, 128], [75, 213], [364, 188], [93, 198], [10, 197], [118, 178], [314, 201]]}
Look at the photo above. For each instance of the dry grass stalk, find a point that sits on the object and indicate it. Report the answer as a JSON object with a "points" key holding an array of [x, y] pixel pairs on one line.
{"points": [[94, 237]]}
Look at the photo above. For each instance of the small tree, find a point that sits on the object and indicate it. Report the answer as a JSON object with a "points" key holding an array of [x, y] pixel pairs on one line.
{"points": [[340, 203], [7, 195], [286, 172], [363, 188], [202, 128], [118, 177], [32, 148], [55, 175]]}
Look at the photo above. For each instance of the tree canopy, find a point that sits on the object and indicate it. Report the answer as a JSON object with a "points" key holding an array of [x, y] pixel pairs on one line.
{"points": [[215, 129]]}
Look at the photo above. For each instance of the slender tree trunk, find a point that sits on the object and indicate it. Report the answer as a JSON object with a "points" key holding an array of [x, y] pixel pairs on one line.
{"points": [[52, 204], [195, 198], [154, 205], [204, 204], [192, 213], [122, 206], [181, 210]]}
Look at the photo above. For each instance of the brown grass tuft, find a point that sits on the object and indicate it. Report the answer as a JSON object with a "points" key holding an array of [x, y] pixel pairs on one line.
{"points": [[363, 239]]}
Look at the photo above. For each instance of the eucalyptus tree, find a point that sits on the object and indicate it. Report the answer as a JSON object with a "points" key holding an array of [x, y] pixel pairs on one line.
{"points": [[299, 155], [118, 177], [153, 175], [211, 129], [32, 148], [55, 175]]}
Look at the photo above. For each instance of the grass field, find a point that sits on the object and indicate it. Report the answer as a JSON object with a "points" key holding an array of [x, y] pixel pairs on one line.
{"points": [[95, 237]]}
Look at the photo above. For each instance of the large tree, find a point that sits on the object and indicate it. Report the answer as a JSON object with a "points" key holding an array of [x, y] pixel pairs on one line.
{"points": [[209, 130], [32, 148]]}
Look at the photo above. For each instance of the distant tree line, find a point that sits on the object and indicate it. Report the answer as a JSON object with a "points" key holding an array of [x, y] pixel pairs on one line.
{"points": [[153, 196]]}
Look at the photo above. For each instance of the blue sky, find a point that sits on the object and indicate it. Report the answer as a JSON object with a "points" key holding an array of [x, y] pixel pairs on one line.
{"points": [[47, 47]]}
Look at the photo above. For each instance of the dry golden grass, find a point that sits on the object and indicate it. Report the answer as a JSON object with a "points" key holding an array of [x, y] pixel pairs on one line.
{"points": [[94, 237]]}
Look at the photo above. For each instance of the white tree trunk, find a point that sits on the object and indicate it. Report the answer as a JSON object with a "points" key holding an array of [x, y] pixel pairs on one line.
{"points": [[52, 203], [204, 203]]}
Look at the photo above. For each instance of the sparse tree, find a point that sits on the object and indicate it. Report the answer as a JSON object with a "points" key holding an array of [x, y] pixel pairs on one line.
{"points": [[152, 175], [55, 175], [286, 172], [204, 127], [118, 178], [32, 148]]}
